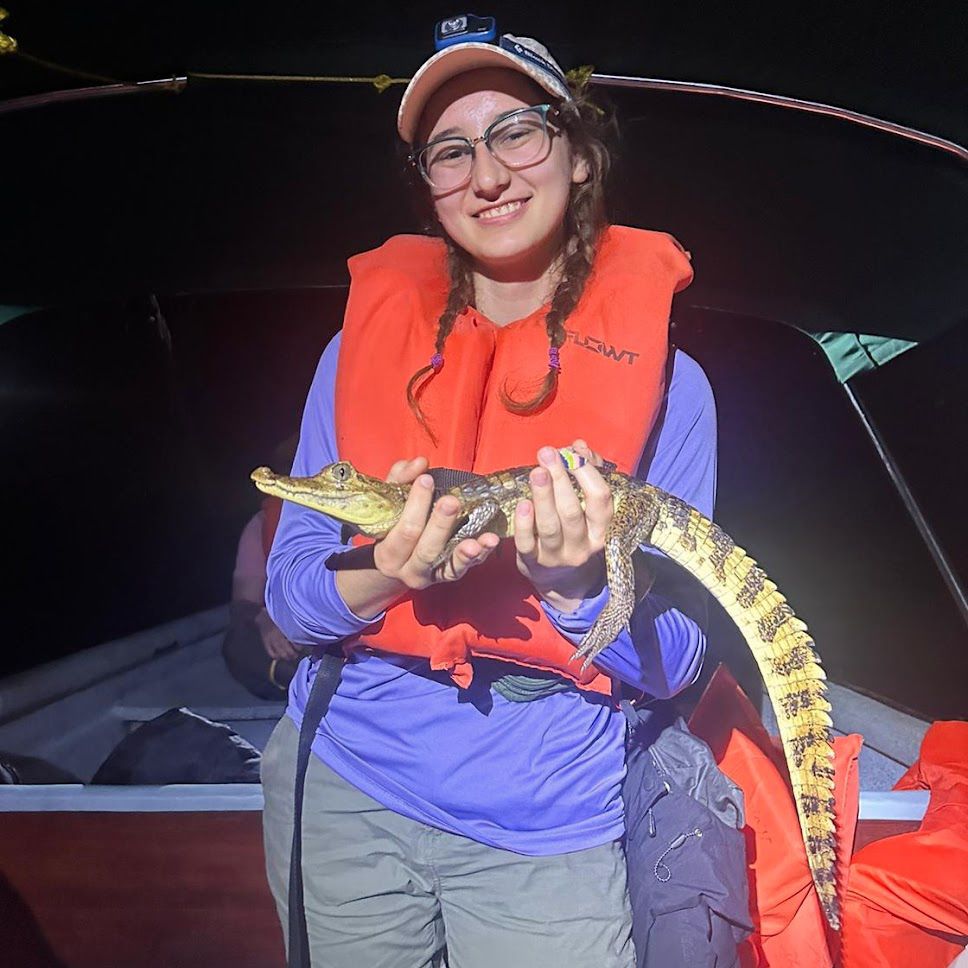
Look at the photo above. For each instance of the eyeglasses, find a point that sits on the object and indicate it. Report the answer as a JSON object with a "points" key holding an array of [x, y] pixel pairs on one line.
{"points": [[517, 139]]}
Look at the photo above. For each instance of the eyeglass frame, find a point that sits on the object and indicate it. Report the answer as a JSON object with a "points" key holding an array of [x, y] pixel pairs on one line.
{"points": [[472, 143]]}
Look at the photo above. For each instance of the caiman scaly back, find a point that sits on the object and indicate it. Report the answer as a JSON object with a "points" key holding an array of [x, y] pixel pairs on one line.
{"points": [[643, 514]]}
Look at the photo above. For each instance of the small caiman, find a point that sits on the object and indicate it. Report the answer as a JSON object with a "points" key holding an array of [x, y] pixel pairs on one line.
{"points": [[643, 514]]}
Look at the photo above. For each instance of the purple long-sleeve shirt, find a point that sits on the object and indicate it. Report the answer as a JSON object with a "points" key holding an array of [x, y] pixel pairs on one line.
{"points": [[540, 777]]}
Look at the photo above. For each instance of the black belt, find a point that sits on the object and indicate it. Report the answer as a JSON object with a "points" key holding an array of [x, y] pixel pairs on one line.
{"points": [[327, 679]]}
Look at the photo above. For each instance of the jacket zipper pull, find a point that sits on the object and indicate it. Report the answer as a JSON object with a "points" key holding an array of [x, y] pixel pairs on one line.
{"points": [[662, 871], [665, 789]]}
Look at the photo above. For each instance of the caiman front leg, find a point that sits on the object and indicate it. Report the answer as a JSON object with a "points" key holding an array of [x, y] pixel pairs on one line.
{"points": [[479, 516], [632, 523]]}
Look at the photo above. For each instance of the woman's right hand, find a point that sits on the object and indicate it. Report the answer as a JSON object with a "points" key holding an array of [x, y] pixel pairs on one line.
{"points": [[408, 551]]}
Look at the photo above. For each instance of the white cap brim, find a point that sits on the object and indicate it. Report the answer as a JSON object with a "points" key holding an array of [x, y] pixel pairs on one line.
{"points": [[458, 59]]}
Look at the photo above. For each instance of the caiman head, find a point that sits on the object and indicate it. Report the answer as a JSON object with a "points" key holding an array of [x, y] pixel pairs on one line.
{"points": [[342, 492]]}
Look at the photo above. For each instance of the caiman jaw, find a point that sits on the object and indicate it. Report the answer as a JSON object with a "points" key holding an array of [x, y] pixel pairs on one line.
{"points": [[342, 492]]}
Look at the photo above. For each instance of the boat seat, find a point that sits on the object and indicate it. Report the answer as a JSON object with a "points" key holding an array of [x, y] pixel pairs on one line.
{"points": [[205, 687]]}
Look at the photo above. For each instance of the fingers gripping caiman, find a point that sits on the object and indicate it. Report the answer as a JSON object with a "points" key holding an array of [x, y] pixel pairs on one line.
{"points": [[643, 514]]}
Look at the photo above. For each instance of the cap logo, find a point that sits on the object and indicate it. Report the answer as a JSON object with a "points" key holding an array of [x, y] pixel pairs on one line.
{"points": [[455, 25], [535, 58]]}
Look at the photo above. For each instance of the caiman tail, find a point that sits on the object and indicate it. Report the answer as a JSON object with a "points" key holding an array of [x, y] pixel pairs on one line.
{"points": [[790, 668], [777, 638]]}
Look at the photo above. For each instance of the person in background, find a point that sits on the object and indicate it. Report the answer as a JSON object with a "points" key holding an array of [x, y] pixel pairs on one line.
{"points": [[256, 652]]}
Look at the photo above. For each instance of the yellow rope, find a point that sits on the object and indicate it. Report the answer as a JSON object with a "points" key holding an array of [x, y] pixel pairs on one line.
{"points": [[381, 82], [8, 45]]}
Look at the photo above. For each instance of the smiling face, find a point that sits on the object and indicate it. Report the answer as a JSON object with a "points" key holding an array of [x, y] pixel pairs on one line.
{"points": [[510, 222]]}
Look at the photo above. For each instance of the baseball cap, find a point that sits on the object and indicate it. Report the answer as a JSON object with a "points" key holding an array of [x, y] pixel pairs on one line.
{"points": [[524, 54]]}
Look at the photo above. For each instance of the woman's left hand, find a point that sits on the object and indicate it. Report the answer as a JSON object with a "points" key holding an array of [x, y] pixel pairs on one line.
{"points": [[560, 544]]}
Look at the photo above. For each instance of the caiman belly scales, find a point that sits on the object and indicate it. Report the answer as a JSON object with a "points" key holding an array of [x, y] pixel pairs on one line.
{"points": [[643, 514]]}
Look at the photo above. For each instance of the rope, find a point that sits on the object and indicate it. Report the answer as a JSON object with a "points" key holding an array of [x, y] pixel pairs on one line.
{"points": [[381, 81]]}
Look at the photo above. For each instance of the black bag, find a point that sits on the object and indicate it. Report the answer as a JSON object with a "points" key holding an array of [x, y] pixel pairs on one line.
{"points": [[15, 768], [180, 746], [684, 848]]}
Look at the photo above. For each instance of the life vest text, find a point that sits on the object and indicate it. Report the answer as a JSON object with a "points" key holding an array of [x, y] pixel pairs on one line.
{"points": [[601, 347]]}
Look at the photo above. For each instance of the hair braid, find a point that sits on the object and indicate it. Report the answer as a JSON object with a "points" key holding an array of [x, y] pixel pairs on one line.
{"points": [[461, 295], [577, 267], [585, 220]]}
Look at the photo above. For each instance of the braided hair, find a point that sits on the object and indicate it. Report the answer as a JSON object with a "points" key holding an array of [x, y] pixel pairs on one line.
{"points": [[585, 220], [461, 296]]}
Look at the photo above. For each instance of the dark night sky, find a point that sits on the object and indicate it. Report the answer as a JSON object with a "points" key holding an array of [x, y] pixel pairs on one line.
{"points": [[130, 457]]}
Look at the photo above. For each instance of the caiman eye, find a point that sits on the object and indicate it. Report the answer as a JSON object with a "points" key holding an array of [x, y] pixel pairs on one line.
{"points": [[341, 472]]}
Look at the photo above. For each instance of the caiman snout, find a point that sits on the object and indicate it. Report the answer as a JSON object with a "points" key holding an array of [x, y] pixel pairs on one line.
{"points": [[263, 475], [338, 490]]}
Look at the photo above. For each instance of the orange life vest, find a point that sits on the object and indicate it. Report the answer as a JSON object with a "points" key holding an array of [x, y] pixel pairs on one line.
{"points": [[906, 903], [609, 392]]}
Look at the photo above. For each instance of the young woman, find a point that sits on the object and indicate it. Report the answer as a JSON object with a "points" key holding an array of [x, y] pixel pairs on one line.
{"points": [[465, 787]]}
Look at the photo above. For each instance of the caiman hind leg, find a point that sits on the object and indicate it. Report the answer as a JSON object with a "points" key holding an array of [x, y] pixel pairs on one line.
{"points": [[635, 516]]}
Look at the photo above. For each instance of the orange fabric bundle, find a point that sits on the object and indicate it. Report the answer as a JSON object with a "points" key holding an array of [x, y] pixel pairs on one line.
{"points": [[907, 896], [790, 929]]}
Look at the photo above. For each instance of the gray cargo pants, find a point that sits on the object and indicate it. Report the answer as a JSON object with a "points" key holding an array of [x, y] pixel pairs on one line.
{"points": [[384, 891]]}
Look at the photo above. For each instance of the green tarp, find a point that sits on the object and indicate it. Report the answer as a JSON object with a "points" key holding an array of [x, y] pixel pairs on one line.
{"points": [[854, 353], [12, 312]]}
